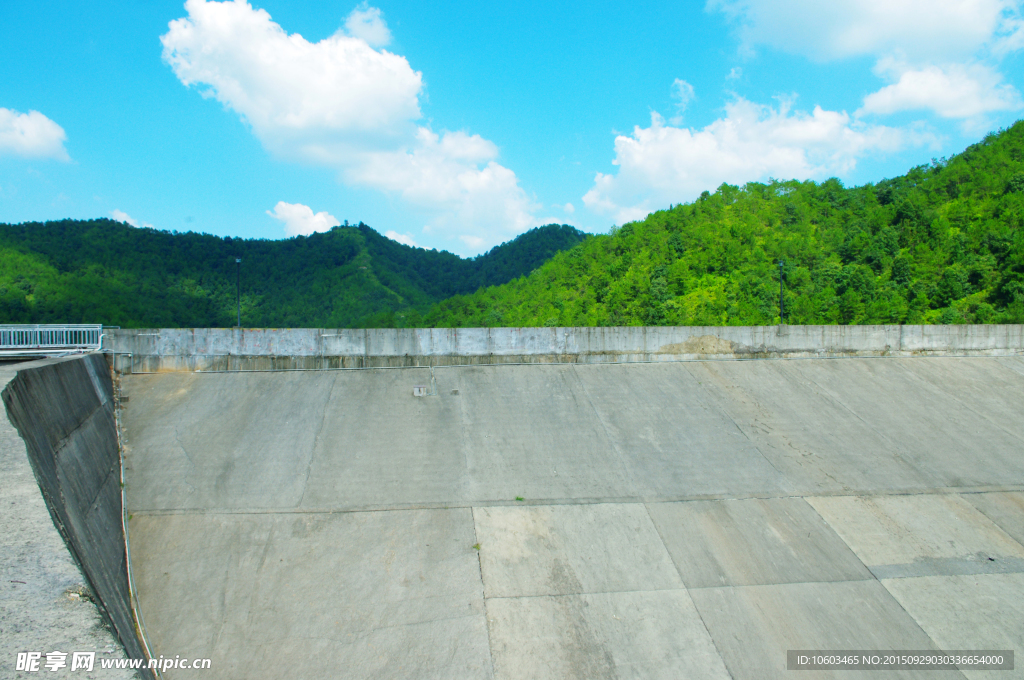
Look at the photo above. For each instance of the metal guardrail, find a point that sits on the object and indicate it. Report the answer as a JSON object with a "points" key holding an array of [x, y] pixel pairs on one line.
{"points": [[49, 338]]}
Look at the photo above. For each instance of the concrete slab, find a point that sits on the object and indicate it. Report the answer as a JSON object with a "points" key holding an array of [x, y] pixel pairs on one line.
{"points": [[930, 429], [754, 626], [378, 446], [221, 440], [986, 388], [360, 595], [981, 611], [622, 636], [359, 439], [1006, 509], [535, 434], [1013, 364], [753, 542], [920, 535], [784, 412], [564, 549], [676, 440]]}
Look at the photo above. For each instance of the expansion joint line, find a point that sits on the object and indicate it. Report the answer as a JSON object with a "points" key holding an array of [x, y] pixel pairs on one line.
{"points": [[316, 440], [707, 630], [483, 592], [626, 472]]}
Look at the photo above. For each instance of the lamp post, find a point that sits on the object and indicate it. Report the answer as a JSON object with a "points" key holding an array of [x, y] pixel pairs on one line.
{"points": [[238, 288], [782, 302]]}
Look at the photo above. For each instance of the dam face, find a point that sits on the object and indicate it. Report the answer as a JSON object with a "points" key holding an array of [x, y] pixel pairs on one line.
{"points": [[518, 503], [660, 520]]}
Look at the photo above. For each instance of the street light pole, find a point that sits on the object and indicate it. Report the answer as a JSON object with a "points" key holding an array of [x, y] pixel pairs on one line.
{"points": [[238, 287], [782, 302]]}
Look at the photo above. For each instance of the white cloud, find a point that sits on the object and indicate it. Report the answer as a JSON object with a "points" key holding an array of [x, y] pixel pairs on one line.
{"points": [[933, 53], [954, 91], [917, 29], [663, 164], [122, 216], [682, 92], [301, 98], [454, 177], [31, 135], [569, 208], [341, 103], [367, 23], [735, 73], [1010, 37], [299, 219], [405, 239]]}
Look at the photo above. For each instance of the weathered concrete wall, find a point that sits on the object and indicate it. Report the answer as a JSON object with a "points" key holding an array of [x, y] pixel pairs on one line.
{"points": [[64, 411], [45, 601], [205, 349]]}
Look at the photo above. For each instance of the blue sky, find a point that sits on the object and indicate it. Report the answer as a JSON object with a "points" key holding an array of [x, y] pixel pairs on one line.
{"points": [[460, 125]]}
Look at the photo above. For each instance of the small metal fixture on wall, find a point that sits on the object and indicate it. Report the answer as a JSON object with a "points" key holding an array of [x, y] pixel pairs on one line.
{"points": [[425, 391]]}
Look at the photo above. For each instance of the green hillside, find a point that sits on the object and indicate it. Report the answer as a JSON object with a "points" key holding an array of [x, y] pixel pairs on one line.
{"points": [[102, 271], [942, 244]]}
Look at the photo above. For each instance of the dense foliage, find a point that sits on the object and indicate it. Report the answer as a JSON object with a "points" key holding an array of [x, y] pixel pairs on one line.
{"points": [[942, 244], [102, 271]]}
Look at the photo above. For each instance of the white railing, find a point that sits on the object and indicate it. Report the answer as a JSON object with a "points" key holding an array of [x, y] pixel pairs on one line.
{"points": [[49, 338]]}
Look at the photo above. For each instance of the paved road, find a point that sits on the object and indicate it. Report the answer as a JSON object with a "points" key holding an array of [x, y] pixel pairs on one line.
{"points": [[578, 521]]}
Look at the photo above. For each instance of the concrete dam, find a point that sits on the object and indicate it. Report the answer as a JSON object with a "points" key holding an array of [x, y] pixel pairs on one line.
{"points": [[538, 503]]}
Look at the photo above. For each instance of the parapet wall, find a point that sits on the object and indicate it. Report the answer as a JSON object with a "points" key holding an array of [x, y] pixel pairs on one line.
{"points": [[206, 349], [64, 410]]}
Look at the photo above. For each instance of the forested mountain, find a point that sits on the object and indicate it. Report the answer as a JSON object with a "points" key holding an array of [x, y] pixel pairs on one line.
{"points": [[101, 271], [942, 244]]}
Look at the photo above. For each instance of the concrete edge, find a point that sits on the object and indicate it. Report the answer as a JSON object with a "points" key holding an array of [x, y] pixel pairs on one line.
{"points": [[226, 349]]}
